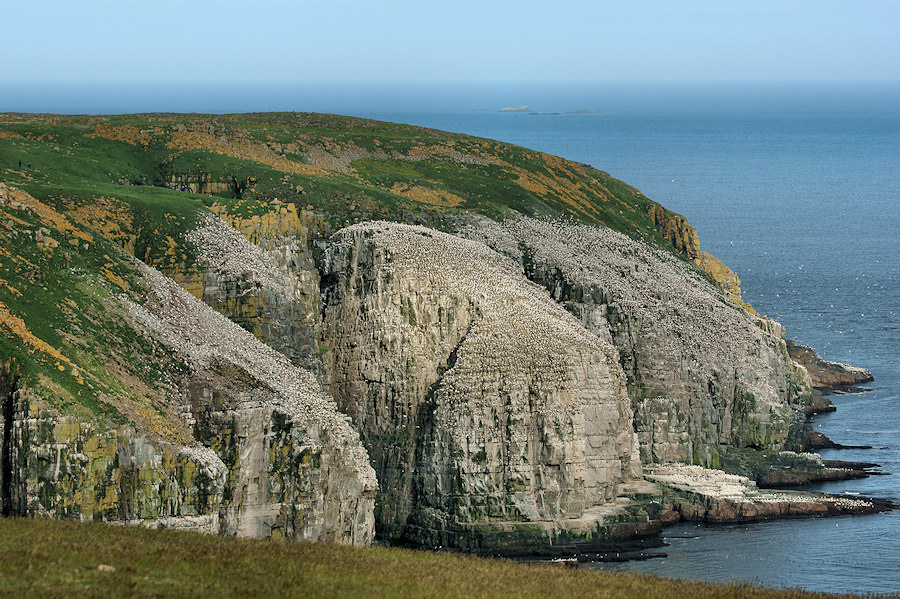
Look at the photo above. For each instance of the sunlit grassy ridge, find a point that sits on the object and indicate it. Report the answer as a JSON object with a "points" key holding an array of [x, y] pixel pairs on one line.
{"points": [[100, 189], [40, 558], [347, 167]]}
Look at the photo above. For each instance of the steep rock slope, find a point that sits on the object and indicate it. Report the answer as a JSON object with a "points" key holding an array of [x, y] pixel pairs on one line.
{"points": [[485, 406], [704, 375], [261, 275], [126, 399]]}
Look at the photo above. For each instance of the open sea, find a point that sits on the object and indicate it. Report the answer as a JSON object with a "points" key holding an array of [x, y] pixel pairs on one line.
{"points": [[795, 186]]}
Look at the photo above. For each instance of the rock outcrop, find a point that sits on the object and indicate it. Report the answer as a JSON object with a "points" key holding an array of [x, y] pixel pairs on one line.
{"points": [[698, 494], [489, 412], [825, 375], [703, 374], [294, 462], [260, 273], [246, 442], [676, 230]]}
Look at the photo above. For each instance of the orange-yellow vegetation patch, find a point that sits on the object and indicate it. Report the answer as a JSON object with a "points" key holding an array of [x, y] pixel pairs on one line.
{"points": [[245, 149], [9, 135], [427, 195], [11, 219], [48, 216], [17, 327], [11, 289], [172, 246], [563, 183], [113, 277], [126, 133], [21, 174], [110, 217]]}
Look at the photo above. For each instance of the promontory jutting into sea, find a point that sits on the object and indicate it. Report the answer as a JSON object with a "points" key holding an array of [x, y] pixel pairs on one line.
{"points": [[625, 335]]}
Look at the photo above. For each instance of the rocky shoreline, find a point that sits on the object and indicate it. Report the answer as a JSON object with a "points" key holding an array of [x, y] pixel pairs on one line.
{"points": [[698, 494]]}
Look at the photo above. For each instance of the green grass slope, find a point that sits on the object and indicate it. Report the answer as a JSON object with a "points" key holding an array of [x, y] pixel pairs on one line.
{"points": [[41, 558], [82, 193], [348, 168]]}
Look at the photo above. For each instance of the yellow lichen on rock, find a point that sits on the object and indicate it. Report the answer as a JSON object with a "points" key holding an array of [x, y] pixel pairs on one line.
{"points": [[283, 219], [725, 278], [676, 230]]}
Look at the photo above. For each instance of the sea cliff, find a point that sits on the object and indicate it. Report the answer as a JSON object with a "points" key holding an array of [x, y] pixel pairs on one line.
{"points": [[369, 330]]}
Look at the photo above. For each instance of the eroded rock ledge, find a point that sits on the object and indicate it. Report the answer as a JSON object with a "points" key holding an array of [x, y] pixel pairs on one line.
{"points": [[825, 375], [699, 494]]}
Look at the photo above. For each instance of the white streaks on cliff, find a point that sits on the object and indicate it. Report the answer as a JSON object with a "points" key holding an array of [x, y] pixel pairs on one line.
{"points": [[224, 250], [644, 282], [527, 413], [518, 325], [703, 372], [205, 337]]}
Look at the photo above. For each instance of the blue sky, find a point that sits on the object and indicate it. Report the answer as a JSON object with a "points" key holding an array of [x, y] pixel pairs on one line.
{"points": [[462, 40]]}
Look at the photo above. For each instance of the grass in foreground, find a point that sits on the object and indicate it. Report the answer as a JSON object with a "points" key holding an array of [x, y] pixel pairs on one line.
{"points": [[43, 558]]}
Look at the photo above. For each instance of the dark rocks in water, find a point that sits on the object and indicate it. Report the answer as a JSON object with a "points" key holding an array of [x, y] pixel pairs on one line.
{"points": [[816, 440], [868, 467], [819, 404], [775, 469], [797, 478]]}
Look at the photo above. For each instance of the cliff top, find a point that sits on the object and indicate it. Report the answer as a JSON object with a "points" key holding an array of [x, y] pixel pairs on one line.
{"points": [[349, 169], [80, 195]]}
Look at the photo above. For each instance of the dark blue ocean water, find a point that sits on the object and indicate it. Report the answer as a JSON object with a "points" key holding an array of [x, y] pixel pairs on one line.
{"points": [[795, 186]]}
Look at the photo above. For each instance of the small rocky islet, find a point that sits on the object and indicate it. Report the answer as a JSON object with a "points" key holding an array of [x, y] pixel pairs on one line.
{"points": [[325, 328]]}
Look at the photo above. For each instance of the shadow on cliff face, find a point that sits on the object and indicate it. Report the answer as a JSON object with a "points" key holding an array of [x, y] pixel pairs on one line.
{"points": [[9, 386]]}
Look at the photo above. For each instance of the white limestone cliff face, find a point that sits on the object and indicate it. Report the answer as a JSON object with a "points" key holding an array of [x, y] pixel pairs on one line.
{"points": [[703, 374], [480, 400], [295, 466]]}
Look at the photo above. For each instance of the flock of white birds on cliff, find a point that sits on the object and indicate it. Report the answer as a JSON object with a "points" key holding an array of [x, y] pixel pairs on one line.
{"points": [[520, 328], [204, 337], [664, 300]]}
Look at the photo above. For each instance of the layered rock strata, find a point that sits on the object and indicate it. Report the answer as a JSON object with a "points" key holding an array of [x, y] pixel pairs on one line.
{"points": [[490, 413], [295, 464], [263, 278], [703, 374]]}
